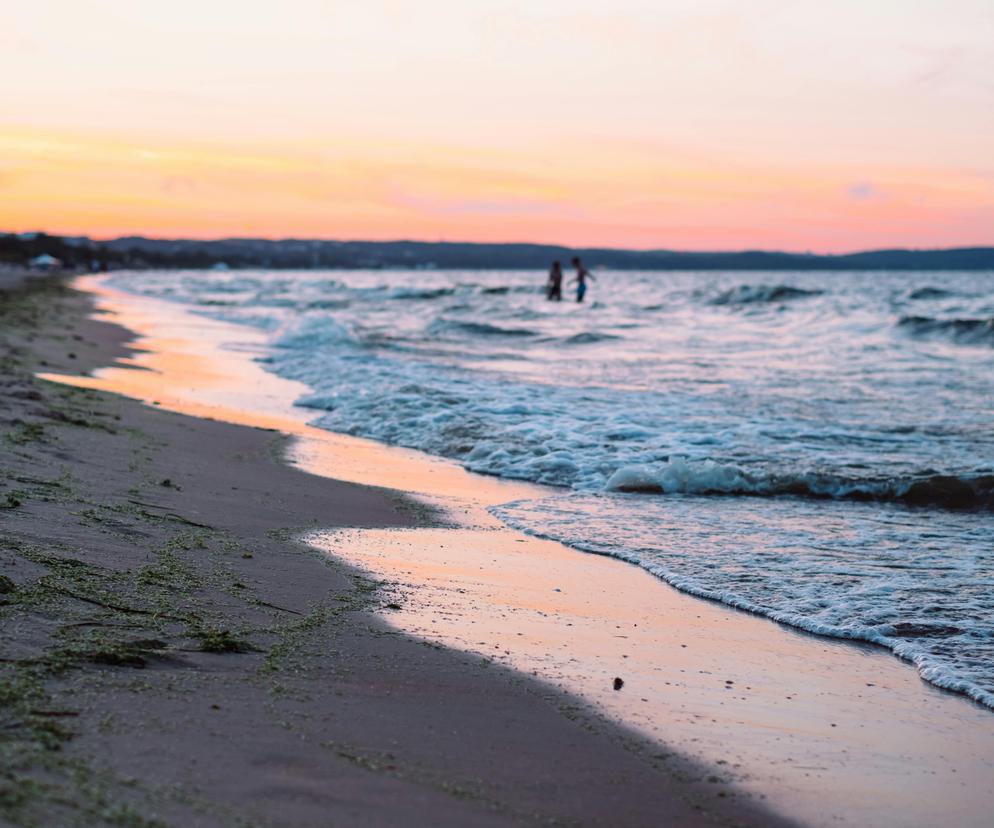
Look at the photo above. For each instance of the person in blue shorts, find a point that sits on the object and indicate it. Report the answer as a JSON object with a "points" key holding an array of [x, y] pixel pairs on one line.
{"points": [[582, 274]]}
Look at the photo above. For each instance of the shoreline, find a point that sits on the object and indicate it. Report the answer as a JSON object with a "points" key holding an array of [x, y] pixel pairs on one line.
{"points": [[819, 726], [171, 656]]}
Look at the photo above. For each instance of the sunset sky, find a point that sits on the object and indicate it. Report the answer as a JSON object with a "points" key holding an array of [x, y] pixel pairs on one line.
{"points": [[688, 124]]}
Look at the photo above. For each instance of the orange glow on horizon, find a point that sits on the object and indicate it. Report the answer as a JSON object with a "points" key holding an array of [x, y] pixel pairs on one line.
{"points": [[104, 186], [682, 124]]}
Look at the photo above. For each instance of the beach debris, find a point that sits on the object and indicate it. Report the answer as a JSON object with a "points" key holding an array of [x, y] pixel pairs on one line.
{"points": [[618, 683]]}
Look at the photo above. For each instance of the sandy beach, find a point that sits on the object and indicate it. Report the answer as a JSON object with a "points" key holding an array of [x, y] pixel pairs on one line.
{"points": [[172, 655]]}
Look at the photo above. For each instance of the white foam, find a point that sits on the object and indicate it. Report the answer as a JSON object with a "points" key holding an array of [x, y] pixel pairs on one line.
{"points": [[850, 571], [682, 475]]}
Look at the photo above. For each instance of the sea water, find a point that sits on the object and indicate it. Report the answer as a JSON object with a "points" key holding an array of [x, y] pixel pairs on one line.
{"points": [[814, 447]]}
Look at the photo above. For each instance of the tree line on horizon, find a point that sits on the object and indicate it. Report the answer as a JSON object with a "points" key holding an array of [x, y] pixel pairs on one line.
{"points": [[81, 252]]}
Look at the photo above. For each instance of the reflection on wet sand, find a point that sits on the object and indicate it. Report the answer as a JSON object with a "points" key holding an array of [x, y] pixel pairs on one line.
{"points": [[825, 729]]}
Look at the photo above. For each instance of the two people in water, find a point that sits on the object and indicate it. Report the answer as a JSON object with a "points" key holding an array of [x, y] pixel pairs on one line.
{"points": [[554, 287]]}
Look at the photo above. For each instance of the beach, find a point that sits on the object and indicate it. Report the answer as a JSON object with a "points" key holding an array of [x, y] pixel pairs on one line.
{"points": [[468, 414], [825, 730], [719, 714], [173, 655]]}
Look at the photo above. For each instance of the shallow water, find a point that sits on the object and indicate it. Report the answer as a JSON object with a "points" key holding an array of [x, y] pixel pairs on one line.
{"points": [[850, 414]]}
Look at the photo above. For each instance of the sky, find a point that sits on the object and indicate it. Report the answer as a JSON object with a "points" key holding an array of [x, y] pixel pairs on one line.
{"points": [[678, 124]]}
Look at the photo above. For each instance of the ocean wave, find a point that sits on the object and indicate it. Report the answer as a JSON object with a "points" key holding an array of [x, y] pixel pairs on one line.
{"points": [[930, 293], [886, 597], [421, 293], [328, 304], [314, 332], [503, 290], [705, 477], [963, 331], [589, 337], [477, 328], [752, 294]]}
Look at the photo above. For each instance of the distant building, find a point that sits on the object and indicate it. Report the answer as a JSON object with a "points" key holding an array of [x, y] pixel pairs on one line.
{"points": [[45, 262]]}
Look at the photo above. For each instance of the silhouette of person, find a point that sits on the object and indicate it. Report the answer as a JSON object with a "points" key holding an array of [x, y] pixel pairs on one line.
{"points": [[554, 287], [582, 274]]}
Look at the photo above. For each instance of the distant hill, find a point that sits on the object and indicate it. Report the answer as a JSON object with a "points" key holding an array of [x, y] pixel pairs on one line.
{"points": [[140, 252]]}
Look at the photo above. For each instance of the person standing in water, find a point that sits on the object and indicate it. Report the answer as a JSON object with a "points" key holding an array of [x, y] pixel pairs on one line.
{"points": [[582, 274], [554, 287]]}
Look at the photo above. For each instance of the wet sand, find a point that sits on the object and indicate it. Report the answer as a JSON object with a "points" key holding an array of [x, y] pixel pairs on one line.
{"points": [[826, 731], [170, 654]]}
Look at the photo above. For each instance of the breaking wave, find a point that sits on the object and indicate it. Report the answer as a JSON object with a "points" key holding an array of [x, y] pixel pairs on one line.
{"points": [[864, 574], [962, 331], [705, 477], [751, 294]]}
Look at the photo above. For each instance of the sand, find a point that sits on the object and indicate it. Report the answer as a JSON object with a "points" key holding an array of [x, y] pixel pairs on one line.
{"points": [[13, 277], [170, 653], [824, 731]]}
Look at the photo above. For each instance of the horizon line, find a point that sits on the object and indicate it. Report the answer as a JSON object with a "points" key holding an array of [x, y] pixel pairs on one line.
{"points": [[328, 240]]}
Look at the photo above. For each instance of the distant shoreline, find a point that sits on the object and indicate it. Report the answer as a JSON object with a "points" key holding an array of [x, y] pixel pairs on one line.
{"points": [[138, 252]]}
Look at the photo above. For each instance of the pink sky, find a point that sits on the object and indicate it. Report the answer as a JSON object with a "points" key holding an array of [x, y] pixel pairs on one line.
{"points": [[640, 123]]}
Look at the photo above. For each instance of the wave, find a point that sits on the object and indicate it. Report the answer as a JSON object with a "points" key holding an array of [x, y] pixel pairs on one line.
{"points": [[931, 293], [502, 290], [315, 332], [963, 331], [707, 477], [421, 293], [589, 337], [945, 654], [477, 328], [441, 292], [328, 304], [752, 294]]}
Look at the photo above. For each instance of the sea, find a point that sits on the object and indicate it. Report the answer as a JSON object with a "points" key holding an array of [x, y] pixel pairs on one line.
{"points": [[814, 447]]}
